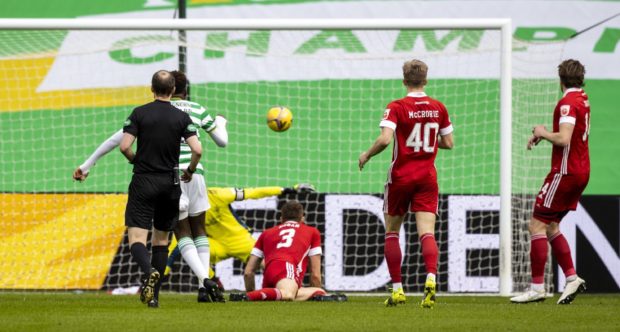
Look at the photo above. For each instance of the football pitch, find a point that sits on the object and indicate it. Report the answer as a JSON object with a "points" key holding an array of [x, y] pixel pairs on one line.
{"points": [[178, 312]]}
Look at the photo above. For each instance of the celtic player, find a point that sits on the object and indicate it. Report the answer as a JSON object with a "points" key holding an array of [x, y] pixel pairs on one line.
{"points": [[192, 239]]}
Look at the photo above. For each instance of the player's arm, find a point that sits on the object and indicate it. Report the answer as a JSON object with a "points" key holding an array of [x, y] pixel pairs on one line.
{"points": [[315, 271], [446, 142], [382, 142], [108, 145], [261, 192], [445, 135], [219, 134], [215, 128], [250, 272], [314, 256], [560, 138]]}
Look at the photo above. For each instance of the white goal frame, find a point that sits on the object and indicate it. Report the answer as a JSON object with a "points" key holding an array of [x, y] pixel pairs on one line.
{"points": [[504, 25]]}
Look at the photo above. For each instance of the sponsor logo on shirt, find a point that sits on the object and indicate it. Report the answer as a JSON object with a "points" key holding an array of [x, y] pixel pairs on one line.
{"points": [[127, 123], [386, 114], [192, 128], [564, 109]]}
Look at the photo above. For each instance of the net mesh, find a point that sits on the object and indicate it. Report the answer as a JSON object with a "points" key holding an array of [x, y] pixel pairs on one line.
{"points": [[65, 92]]}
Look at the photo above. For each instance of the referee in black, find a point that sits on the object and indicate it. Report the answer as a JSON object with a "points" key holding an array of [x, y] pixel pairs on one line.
{"points": [[154, 191]]}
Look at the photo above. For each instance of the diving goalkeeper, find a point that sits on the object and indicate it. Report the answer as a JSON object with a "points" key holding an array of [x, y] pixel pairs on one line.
{"points": [[228, 234]]}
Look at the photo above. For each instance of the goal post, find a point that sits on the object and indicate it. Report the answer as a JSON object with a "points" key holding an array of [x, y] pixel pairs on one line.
{"points": [[505, 103]]}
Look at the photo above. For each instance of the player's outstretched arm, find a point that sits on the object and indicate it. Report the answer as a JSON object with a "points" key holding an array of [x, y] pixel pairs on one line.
{"points": [[219, 134], [250, 272], [446, 142], [382, 142], [108, 145], [560, 138]]}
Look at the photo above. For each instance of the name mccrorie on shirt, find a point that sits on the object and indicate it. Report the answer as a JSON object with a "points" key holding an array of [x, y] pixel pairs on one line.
{"points": [[423, 114]]}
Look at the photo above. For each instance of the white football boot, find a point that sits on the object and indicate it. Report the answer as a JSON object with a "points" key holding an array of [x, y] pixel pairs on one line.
{"points": [[571, 290], [529, 296]]}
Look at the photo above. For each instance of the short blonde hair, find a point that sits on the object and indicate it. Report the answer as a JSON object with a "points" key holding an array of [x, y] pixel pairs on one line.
{"points": [[414, 73]]}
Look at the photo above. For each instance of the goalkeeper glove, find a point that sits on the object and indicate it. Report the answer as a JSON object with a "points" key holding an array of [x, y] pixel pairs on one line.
{"points": [[299, 188]]}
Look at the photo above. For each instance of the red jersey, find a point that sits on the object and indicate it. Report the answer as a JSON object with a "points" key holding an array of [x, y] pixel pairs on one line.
{"points": [[574, 158], [290, 241], [417, 120]]}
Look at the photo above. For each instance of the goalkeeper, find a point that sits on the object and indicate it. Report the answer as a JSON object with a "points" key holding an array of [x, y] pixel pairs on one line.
{"points": [[228, 235]]}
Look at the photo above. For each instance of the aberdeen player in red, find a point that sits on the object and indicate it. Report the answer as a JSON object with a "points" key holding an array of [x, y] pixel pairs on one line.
{"points": [[286, 248], [560, 193], [420, 125]]}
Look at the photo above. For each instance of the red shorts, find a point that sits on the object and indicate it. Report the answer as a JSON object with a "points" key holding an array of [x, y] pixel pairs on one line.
{"points": [[415, 197], [559, 194], [278, 270]]}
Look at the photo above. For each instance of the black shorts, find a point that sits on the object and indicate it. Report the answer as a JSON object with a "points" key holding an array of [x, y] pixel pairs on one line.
{"points": [[153, 200]]}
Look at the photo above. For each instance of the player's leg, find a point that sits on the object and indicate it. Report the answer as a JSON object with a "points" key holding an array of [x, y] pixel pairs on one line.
{"points": [[305, 293], [199, 204], [288, 289], [424, 203], [538, 259], [561, 252], [425, 224], [279, 284], [197, 224], [543, 215], [395, 204], [570, 190]]}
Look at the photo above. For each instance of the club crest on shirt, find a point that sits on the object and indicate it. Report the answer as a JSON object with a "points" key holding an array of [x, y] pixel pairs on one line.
{"points": [[564, 109], [386, 114]]}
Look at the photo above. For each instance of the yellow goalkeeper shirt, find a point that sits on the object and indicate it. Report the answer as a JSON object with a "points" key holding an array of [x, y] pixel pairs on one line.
{"points": [[221, 222]]}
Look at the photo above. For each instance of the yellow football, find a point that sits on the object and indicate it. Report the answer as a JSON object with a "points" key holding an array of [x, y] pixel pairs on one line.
{"points": [[279, 118]]}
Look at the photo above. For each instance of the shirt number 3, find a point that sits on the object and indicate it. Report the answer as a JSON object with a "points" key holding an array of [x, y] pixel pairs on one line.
{"points": [[287, 238]]}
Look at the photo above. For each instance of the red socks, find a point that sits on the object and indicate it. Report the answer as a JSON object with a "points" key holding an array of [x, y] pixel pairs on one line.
{"points": [[393, 255], [538, 257], [265, 294], [430, 252], [561, 252]]}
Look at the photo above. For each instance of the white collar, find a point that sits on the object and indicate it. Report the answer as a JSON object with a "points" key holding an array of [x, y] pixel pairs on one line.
{"points": [[286, 222], [569, 90], [416, 94]]}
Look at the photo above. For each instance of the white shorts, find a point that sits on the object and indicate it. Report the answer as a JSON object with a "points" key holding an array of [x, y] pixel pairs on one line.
{"points": [[194, 200]]}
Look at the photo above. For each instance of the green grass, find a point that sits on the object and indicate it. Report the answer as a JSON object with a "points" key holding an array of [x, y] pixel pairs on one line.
{"points": [[102, 312]]}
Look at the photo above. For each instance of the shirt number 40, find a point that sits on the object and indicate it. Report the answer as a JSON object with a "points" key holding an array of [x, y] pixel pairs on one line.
{"points": [[287, 238], [426, 140]]}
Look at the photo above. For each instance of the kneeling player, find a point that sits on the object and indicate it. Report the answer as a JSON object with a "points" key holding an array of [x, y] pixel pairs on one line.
{"points": [[284, 248]]}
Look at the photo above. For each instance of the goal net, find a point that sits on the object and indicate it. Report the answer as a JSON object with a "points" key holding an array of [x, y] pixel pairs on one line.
{"points": [[65, 91]]}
